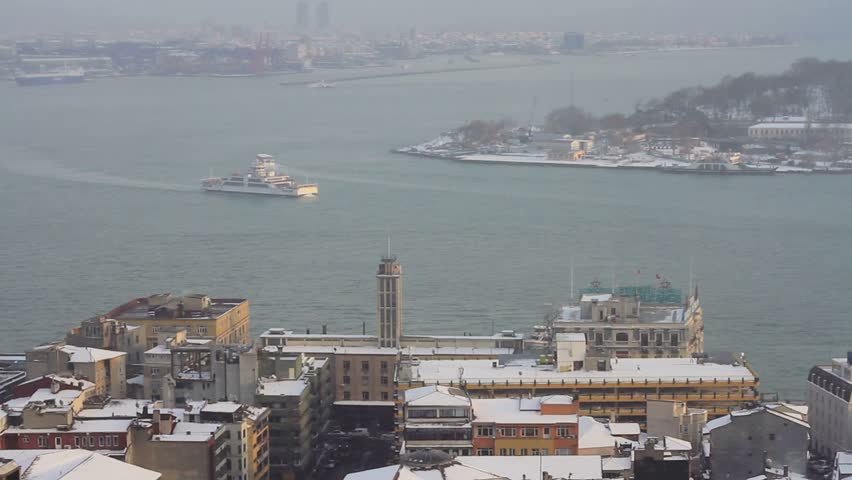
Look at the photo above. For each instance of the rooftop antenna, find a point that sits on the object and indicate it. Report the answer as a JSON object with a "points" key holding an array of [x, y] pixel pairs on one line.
{"points": [[572, 278], [689, 292], [389, 246], [612, 275]]}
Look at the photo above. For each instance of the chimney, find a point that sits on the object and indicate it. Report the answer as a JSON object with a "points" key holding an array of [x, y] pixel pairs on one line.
{"points": [[307, 331], [325, 329], [786, 471]]}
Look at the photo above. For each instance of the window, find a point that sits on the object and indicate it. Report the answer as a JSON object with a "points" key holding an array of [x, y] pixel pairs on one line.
{"points": [[365, 395], [659, 339], [346, 365], [76, 442], [365, 366], [155, 371], [484, 452], [772, 436], [485, 431], [202, 330], [384, 380], [58, 442], [622, 337], [347, 395], [530, 432], [598, 339], [545, 432], [26, 439], [115, 440], [453, 413], [155, 329], [563, 451], [384, 366], [507, 452], [42, 441], [644, 340], [423, 414], [101, 442], [91, 442], [543, 452], [346, 380], [563, 432], [674, 340], [524, 452], [507, 432], [385, 396]]}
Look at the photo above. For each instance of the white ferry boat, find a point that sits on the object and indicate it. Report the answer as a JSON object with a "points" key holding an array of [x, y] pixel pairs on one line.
{"points": [[262, 179]]}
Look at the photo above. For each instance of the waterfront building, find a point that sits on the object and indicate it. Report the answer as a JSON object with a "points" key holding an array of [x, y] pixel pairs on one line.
{"points": [[741, 443], [425, 464], [717, 384], [634, 322], [224, 320], [104, 368], [297, 391], [67, 465], [437, 418], [179, 450], [525, 426], [109, 334], [801, 130], [669, 418], [830, 406], [573, 41]]}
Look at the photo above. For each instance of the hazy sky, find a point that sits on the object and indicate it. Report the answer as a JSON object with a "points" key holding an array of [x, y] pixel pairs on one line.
{"points": [[798, 17]]}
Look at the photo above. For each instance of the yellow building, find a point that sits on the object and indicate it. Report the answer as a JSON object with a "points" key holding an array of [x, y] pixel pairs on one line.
{"points": [[225, 320]]}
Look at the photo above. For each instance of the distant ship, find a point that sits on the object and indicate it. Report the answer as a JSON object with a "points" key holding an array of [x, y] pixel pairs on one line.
{"points": [[322, 84], [262, 179], [50, 78], [719, 167]]}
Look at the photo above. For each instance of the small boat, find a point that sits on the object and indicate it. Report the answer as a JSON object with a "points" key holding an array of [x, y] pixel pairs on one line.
{"points": [[719, 167], [322, 84], [262, 179]]}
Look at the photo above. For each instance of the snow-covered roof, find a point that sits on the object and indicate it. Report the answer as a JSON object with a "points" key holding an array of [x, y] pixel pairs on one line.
{"points": [[729, 418], [576, 467], [222, 407], [594, 434], [516, 411], [81, 426], [282, 388], [614, 464], [436, 396], [190, 432], [137, 380], [557, 400], [77, 383], [88, 354], [76, 464], [600, 297], [624, 428], [677, 370], [126, 408]]}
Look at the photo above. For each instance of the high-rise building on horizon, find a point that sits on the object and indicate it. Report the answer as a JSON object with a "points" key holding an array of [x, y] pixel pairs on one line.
{"points": [[303, 15], [389, 301], [323, 18]]}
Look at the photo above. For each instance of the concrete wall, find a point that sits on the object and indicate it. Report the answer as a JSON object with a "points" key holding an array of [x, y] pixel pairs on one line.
{"points": [[174, 460], [737, 449], [831, 421]]}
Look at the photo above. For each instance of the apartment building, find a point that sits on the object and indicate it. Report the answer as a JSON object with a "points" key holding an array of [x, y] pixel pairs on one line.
{"points": [[109, 334], [668, 418], [223, 320], [741, 443], [830, 407], [525, 426], [179, 450], [297, 391], [248, 435], [105, 368], [437, 418]]}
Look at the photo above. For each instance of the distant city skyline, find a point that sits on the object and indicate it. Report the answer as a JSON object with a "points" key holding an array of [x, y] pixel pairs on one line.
{"points": [[825, 19]]}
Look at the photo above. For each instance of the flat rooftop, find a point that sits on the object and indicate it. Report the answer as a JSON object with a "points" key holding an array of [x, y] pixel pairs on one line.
{"points": [[369, 350], [674, 370], [514, 411], [142, 309]]}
